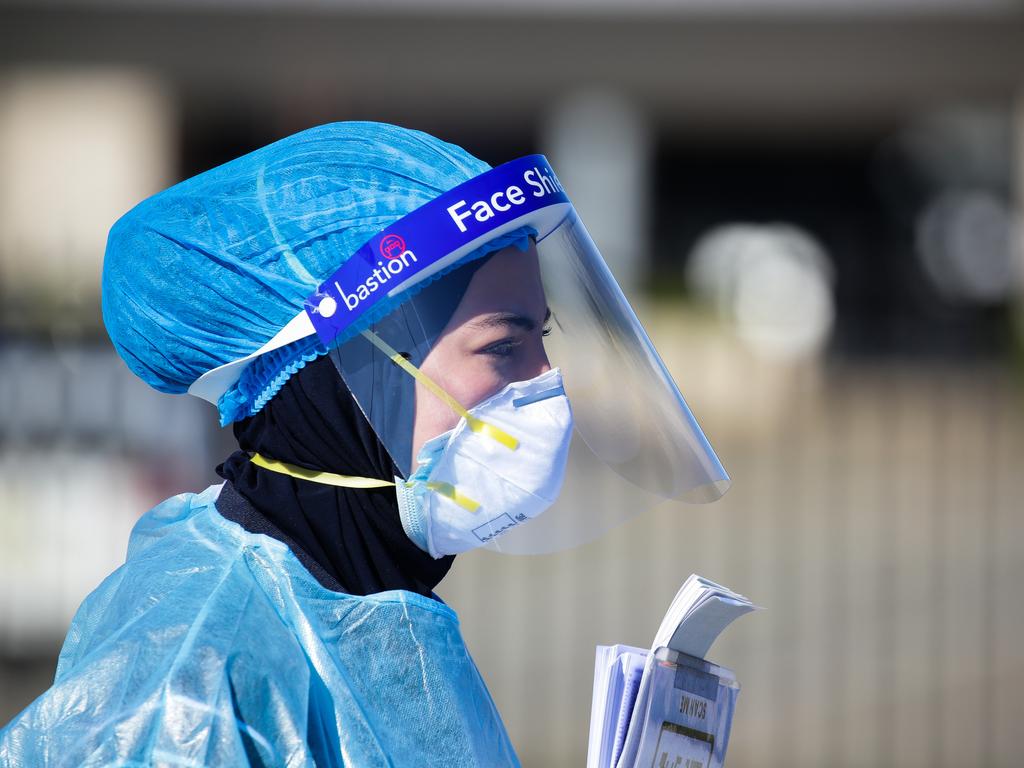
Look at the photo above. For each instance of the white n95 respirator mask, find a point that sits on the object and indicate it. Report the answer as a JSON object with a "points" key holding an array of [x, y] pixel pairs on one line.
{"points": [[468, 488]]}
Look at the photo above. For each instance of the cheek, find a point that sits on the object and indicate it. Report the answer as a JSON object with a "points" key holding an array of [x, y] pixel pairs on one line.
{"points": [[432, 416], [467, 377], [458, 375], [475, 381], [470, 379]]}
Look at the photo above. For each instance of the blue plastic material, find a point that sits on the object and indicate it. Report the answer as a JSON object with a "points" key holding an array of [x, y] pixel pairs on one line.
{"points": [[213, 646], [209, 270]]}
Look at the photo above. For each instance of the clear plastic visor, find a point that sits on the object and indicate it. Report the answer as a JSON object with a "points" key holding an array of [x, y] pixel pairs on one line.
{"points": [[510, 317]]}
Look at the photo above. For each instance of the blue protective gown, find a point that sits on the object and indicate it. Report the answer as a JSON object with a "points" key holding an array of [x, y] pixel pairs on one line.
{"points": [[212, 646]]}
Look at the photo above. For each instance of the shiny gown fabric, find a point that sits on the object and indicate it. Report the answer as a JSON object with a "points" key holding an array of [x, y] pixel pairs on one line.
{"points": [[212, 646]]}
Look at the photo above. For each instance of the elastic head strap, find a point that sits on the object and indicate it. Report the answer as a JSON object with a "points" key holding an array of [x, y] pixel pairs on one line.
{"points": [[351, 481], [325, 478], [450, 491]]}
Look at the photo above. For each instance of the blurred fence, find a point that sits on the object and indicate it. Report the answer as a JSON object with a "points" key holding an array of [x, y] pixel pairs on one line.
{"points": [[85, 447]]}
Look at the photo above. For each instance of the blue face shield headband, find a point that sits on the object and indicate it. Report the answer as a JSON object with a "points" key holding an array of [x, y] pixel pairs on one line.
{"points": [[416, 248], [540, 298]]}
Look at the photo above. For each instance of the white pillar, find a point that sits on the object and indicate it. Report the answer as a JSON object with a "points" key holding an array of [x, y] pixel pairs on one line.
{"points": [[1017, 199], [600, 146], [78, 147]]}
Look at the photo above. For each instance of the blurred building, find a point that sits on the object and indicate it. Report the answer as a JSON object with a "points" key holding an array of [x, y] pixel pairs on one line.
{"points": [[816, 206]]}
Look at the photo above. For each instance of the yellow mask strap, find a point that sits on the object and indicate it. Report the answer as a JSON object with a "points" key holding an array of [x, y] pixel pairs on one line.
{"points": [[325, 478], [475, 424], [351, 481], [453, 493]]}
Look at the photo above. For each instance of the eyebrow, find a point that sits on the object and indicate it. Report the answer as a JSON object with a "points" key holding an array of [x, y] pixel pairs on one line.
{"points": [[504, 319]]}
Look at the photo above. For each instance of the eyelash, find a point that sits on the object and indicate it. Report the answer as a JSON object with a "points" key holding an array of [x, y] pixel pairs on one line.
{"points": [[505, 347]]}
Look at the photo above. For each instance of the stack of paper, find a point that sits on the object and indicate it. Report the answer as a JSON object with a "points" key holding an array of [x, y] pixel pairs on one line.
{"points": [[700, 611]]}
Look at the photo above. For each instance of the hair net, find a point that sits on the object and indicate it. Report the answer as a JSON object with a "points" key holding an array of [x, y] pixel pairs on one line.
{"points": [[206, 272]]}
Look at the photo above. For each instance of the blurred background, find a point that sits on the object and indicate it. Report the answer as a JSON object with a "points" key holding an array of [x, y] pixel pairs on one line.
{"points": [[816, 207]]}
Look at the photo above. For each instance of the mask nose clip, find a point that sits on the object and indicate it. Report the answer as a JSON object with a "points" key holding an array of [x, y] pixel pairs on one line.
{"points": [[537, 397]]}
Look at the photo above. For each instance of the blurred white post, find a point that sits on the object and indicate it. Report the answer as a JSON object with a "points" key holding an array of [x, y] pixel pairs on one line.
{"points": [[78, 148], [600, 146], [1017, 198]]}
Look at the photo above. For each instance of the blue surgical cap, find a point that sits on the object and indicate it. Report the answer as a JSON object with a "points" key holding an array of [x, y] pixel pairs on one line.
{"points": [[206, 272]]}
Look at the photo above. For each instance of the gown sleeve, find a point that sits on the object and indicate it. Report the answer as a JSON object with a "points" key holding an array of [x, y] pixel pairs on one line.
{"points": [[163, 678]]}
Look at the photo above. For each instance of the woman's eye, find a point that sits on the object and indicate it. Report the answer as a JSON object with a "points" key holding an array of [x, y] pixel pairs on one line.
{"points": [[503, 348], [546, 331]]}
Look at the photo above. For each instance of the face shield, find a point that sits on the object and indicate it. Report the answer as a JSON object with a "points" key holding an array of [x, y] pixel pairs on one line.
{"points": [[499, 363]]}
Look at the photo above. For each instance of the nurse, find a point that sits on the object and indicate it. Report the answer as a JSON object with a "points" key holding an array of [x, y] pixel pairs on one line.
{"points": [[408, 376]]}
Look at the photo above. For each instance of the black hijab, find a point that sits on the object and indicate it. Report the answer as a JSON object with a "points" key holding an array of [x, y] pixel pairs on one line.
{"points": [[351, 540]]}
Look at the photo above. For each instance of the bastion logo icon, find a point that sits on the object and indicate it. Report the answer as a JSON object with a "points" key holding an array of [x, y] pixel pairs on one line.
{"points": [[397, 259], [392, 246]]}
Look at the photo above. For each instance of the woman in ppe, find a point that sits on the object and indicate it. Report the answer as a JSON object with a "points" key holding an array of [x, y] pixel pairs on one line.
{"points": [[419, 355]]}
